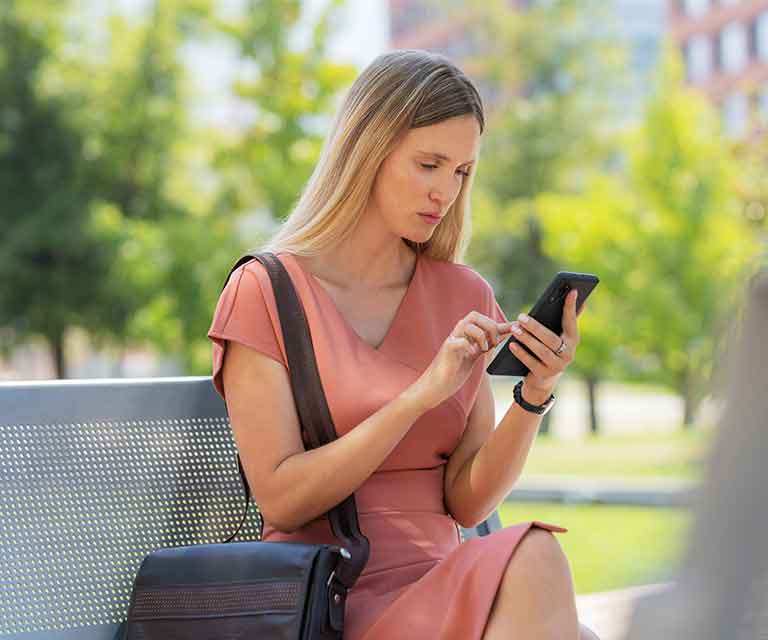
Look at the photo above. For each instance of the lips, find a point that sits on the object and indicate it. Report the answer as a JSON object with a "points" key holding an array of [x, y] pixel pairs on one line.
{"points": [[435, 215]]}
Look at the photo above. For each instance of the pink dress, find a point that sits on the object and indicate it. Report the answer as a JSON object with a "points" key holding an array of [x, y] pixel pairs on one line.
{"points": [[420, 581]]}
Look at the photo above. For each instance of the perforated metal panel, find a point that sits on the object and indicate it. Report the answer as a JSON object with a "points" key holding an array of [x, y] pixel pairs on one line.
{"points": [[96, 474], [107, 473]]}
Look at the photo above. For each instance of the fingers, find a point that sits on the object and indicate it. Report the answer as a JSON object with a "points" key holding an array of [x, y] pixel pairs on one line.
{"points": [[545, 355], [543, 343], [480, 337], [485, 331], [544, 334], [528, 360], [468, 345], [570, 328]]}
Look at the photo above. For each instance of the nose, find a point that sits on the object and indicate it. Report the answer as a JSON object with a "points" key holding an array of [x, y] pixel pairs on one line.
{"points": [[444, 192]]}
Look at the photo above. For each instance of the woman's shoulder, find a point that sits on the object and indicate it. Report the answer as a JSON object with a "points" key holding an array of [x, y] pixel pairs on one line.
{"points": [[249, 279], [246, 313], [245, 293], [252, 266], [459, 274]]}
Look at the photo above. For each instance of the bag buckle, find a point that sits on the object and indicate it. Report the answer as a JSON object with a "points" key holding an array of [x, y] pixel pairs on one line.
{"points": [[337, 593], [330, 578], [344, 553]]}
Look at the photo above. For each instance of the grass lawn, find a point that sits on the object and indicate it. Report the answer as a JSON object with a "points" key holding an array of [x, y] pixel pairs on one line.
{"points": [[614, 547], [611, 547], [675, 455]]}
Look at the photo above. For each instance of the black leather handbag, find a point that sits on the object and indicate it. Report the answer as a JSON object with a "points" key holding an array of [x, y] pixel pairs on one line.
{"points": [[258, 590]]}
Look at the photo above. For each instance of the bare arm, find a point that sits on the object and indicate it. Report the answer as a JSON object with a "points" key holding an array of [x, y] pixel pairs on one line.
{"points": [[488, 462], [485, 466], [293, 486]]}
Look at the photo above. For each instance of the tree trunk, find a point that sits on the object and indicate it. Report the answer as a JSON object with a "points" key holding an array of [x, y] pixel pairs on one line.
{"points": [[592, 395], [57, 348], [688, 399], [545, 422], [118, 366]]}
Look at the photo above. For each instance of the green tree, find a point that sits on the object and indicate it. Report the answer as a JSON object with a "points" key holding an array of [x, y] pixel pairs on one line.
{"points": [[52, 261], [135, 96], [752, 154], [546, 82], [132, 216], [669, 242], [593, 232], [260, 170], [291, 94]]}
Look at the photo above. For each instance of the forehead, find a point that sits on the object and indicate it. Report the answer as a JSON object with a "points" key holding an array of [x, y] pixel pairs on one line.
{"points": [[456, 138]]}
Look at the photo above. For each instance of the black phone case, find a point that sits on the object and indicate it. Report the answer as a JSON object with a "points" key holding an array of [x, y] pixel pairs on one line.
{"points": [[548, 310]]}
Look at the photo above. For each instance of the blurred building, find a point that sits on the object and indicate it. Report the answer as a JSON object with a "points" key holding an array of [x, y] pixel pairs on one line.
{"points": [[725, 46], [639, 26], [416, 24], [636, 24]]}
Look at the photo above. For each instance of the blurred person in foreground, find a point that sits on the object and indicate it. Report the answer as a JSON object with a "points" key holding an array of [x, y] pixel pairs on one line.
{"points": [[721, 592]]}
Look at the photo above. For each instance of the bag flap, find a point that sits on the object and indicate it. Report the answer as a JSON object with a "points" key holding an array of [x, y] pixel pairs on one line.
{"points": [[227, 563]]}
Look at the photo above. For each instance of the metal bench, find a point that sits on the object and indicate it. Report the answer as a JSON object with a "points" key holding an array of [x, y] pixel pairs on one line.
{"points": [[95, 475]]}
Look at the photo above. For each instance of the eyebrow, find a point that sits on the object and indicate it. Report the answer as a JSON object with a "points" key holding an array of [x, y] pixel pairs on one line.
{"points": [[441, 156]]}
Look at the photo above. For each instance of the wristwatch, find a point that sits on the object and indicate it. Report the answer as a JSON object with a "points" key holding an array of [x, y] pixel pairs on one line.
{"points": [[540, 409]]}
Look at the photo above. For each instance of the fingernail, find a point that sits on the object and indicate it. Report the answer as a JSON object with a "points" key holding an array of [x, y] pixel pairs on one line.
{"points": [[522, 317], [575, 294]]}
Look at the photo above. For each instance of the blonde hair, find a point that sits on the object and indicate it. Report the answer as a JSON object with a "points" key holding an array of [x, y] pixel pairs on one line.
{"points": [[397, 91]]}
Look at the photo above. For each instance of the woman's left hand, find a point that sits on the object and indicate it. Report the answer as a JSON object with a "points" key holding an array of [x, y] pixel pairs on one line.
{"points": [[547, 367]]}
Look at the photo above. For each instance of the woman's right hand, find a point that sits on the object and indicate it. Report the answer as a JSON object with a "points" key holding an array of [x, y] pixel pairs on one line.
{"points": [[471, 338]]}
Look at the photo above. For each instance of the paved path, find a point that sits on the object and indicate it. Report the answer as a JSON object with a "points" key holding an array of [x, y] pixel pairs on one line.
{"points": [[608, 613], [622, 409], [653, 492]]}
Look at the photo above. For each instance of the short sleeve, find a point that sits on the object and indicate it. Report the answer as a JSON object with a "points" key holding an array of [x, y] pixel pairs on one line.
{"points": [[493, 309], [246, 313]]}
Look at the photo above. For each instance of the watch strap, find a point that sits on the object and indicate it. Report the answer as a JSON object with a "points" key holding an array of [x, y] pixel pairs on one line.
{"points": [[533, 408]]}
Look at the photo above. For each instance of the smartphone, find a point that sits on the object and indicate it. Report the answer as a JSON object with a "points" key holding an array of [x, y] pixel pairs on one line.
{"points": [[548, 310]]}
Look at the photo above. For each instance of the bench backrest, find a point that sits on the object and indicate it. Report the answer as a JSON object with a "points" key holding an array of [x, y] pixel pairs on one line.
{"points": [[96, 474]]}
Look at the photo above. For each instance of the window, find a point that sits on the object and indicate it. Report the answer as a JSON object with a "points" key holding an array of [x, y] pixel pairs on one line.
{"points": [[695, 8], [761, 36], [736, 114], [733, 47], [699, 58]]}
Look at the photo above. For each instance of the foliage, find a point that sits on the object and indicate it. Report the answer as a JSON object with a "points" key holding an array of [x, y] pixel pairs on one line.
{"points": [[669, 243], [291, 94], [262, 168], [128, 223], [52, 260], [546, 127]]}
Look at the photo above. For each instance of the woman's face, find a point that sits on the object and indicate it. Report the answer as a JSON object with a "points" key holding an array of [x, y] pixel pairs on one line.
{"points": [[424, 174]]}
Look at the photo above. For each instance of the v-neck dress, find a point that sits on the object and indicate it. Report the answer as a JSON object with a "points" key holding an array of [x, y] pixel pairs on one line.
{"points": [[420, 581]]}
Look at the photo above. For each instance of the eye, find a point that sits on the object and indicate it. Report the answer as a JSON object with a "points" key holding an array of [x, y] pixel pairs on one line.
{"points": [[434, 166]]}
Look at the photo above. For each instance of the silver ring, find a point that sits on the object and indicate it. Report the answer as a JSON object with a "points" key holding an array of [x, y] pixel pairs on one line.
{"points": [[561, 348]]}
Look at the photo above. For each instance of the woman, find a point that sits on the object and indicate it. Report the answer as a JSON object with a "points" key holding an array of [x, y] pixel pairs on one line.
{"points": [[402, 332]]}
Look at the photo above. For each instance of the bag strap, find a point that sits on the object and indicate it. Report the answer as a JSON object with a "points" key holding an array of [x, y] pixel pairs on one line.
{"points": [[312, 409]]}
